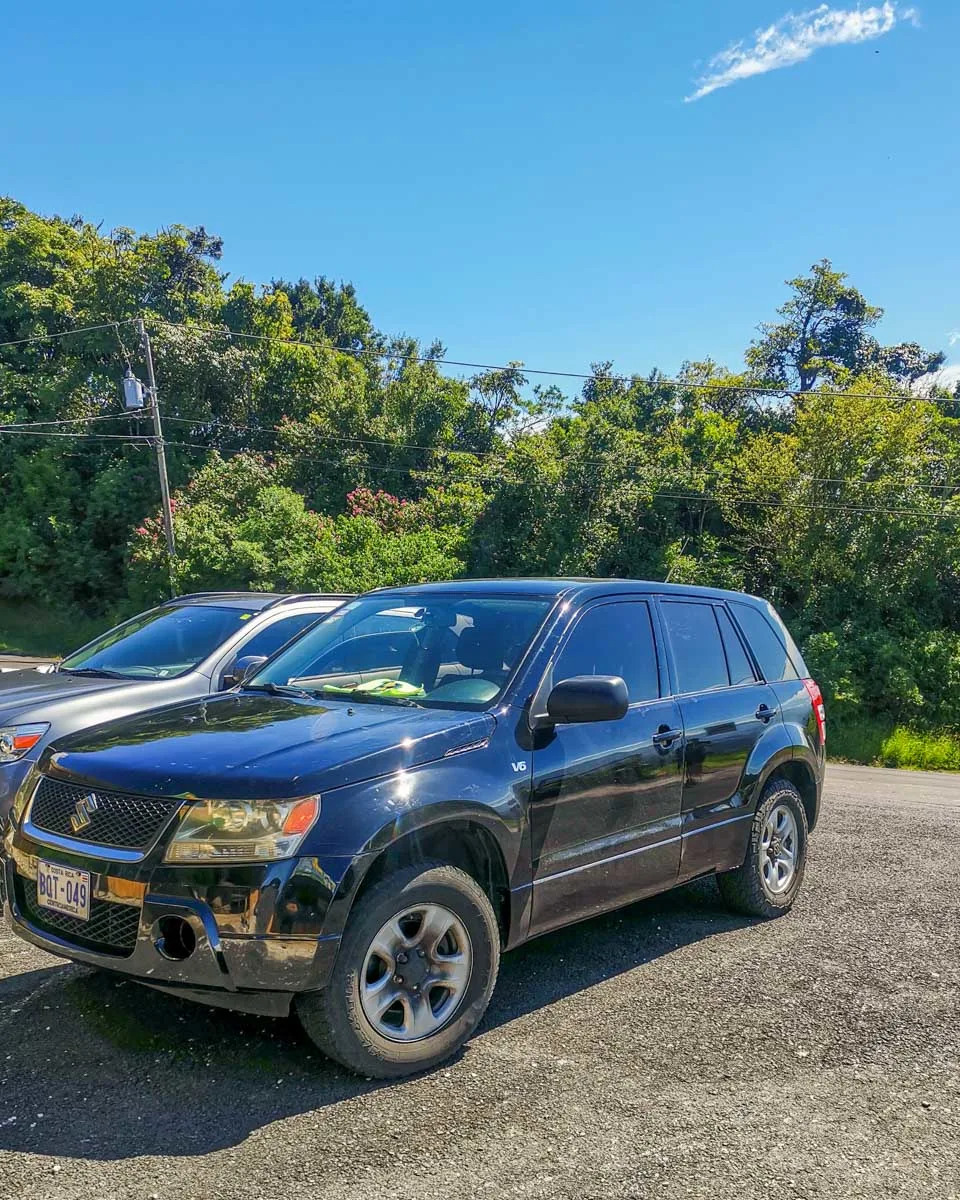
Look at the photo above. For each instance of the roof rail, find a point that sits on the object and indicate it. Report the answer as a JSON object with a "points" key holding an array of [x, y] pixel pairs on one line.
{"points": [[299, 596], [221, 593], [273, 598]]}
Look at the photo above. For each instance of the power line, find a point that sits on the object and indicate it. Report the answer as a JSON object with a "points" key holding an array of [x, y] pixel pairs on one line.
{"points": [[48, 337], [16, 425], [97, 437], [736, 496], [665, 381], [948, 485], [634, 378], [433, 472], [729, 495], [332, 462], [27, 426]]}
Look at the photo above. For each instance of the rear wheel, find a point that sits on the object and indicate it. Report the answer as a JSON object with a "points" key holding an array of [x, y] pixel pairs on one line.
{"points": [[416, 969], [769, 879]]}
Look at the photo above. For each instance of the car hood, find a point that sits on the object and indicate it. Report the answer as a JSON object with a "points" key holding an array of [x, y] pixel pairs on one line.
{"points": [[22, 691], [254, 746]]}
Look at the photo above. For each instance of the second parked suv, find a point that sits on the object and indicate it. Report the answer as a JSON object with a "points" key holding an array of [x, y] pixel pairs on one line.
{"points": [[428, 777]]}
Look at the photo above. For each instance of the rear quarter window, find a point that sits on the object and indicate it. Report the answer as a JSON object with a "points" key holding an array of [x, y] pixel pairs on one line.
{"points": [[737, 661], [769, 644]]}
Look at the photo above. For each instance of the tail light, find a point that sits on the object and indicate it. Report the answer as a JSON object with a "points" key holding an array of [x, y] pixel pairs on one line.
{"points": [[816, 699]]}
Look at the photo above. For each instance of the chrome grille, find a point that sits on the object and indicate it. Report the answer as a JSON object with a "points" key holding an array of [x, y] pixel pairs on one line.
{"points": [[101, 817], [112, 928]]}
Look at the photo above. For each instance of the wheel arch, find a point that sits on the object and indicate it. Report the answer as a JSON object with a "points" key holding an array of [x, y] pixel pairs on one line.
{"points": [[800, 774], [780, 752], [472, 840]]}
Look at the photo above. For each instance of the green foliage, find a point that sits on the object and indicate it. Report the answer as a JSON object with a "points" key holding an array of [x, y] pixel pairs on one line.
{"points": [[862, 560], [236, 527], [921, 751], [878, 742], [30, 629], [318, 453]]}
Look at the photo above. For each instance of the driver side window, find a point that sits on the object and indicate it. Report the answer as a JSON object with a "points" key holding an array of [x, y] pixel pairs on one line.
{"points": [[613, 639]]}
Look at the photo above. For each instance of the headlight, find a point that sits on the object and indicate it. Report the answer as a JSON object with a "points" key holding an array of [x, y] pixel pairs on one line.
{"points": [[16, 740], [242, 830]]}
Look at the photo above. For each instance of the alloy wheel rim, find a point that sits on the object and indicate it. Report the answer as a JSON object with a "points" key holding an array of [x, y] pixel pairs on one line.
{"points": [[415, 973], [778, 850]]}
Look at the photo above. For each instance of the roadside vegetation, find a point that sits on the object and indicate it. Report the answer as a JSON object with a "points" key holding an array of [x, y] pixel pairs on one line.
{"points": [[36, 629], [882, 743], [351, 460]]}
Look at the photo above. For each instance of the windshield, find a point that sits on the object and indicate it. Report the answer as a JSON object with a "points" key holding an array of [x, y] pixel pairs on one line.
{"points": [[158, 644], [454, 651]]}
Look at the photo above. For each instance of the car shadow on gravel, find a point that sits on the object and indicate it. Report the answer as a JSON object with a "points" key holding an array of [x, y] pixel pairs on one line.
{"points": [[97, 1068]]}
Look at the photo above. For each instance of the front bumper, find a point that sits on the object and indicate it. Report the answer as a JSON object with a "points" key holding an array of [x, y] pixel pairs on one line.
{"points": [[262, 931]]}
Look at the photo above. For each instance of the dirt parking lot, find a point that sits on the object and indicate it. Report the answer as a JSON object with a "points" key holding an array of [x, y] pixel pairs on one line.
{"points": [[668, 1050]]}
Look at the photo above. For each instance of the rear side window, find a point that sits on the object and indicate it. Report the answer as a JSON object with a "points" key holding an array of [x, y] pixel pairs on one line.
{"points": [[766, 643], [697, 649], [613, 639], [737, 661]]}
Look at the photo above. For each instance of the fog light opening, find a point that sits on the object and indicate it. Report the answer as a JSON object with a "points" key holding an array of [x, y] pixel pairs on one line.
{"points": [[175, 938]]}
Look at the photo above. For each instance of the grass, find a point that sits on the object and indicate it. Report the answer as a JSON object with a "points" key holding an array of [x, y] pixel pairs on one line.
{"points": [[884, 744], [921, 751], [34, 629]]}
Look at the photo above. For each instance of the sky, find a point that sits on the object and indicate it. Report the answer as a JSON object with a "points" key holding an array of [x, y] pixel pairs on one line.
{"points": [[559, 183]]}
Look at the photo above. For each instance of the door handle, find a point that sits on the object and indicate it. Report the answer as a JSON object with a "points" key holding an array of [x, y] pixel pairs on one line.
{"points": [[665, 735], [764, 713]]}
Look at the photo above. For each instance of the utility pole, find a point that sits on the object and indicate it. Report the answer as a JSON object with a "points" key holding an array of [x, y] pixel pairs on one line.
{"points": [[161, 454]]}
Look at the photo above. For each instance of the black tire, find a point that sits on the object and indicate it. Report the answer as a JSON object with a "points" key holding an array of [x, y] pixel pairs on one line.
{"points": [[744, 889], [334, 1018]]}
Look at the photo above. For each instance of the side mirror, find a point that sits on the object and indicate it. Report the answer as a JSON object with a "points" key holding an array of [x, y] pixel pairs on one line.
{"points": [[588, 698], [242, 668]]}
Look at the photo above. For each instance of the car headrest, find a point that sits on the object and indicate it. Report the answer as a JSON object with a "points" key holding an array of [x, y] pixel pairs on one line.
{"points": [[480, 650]]}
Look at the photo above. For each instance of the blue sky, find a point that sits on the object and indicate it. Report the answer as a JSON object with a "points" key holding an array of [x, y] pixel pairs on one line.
{"points": [[521, 180]]}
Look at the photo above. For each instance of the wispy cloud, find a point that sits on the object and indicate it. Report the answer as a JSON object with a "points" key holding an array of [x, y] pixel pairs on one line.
{"points": [[947, 377], [795, 37], [953, 338]]}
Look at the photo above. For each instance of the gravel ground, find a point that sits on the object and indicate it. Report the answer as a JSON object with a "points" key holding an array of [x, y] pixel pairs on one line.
{"points": [[668, 1050]]}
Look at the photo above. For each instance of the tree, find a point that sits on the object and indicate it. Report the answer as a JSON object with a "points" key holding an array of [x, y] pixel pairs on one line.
{"points": [[330, 311], [850, 522], [825, 336]]}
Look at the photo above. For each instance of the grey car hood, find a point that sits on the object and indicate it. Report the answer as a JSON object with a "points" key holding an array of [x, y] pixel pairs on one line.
{"points": [[27, 694]]}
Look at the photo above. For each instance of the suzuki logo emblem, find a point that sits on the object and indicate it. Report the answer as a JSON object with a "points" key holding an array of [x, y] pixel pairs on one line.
{"points": [[82, 814]]}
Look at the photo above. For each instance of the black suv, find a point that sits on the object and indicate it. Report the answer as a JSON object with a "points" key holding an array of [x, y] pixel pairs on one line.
{"points": [[188, 647], [428, 777]]}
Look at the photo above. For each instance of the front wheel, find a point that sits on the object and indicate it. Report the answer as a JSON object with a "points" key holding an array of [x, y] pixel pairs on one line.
{"points": [[416, 969], [767, 882]]}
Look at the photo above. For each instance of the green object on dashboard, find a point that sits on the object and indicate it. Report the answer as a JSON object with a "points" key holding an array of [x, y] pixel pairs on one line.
{"points": [[378, 687]]}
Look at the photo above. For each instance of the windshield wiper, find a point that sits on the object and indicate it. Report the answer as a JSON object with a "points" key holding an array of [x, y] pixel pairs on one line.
{"points": [[275, 689], [365, 698], [98, 672]]}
